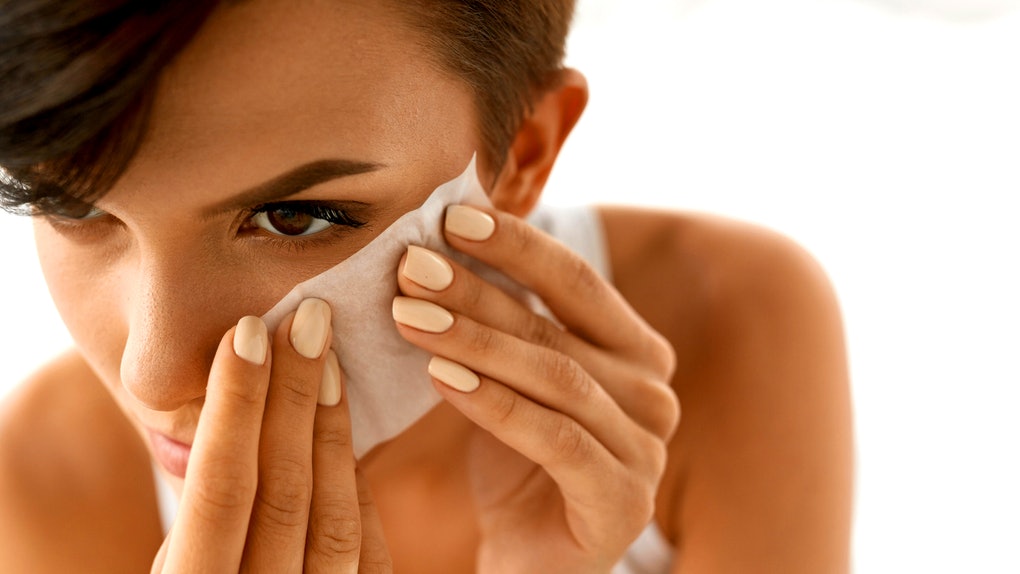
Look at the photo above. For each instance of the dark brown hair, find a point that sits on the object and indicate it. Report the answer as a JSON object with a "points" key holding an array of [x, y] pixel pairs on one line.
{"points": [[78, 78]]}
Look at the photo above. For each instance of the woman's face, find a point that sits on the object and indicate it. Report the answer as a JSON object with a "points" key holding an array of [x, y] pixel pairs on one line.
{"points": [[148, 289]]}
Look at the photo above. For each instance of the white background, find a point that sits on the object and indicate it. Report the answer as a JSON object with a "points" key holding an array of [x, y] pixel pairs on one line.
{"points": [[884, 135]]}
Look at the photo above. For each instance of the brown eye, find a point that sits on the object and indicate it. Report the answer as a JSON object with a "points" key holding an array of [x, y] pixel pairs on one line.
{"points": [[289, 221]]}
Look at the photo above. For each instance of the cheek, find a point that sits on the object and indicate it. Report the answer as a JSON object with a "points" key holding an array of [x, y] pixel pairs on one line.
{"points": [[81, 294], [148, 319]]}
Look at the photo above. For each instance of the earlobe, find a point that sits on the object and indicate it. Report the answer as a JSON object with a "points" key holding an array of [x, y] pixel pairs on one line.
{"points": [[537, 143]]}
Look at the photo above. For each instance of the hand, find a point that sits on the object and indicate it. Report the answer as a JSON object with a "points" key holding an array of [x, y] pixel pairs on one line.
{"points": [[272, 484], [577, 416]]}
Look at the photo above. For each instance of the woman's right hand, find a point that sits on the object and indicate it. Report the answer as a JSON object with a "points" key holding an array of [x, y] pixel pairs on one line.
{"points": [[272, 484]]}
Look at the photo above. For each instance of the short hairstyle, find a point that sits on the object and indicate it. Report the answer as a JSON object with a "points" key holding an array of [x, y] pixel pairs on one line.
{"points": [[79, 77]]}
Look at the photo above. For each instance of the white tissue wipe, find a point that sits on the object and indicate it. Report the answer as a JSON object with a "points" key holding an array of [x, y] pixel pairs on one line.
{"points": [[386, 379]]}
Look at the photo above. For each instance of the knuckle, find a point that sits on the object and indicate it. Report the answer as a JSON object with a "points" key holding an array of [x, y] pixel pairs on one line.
{"points": [[295, 389], [568, 376], [375, 555], [336, 530], [223, 491], [645, 509], [656, 455], [481, 340], [473, 295], [505, 407], [245, 394], [332, 438], [664, 408], [541, 332], [673, 414], [640, 496], [580, 277], [663, 356], [285, 492], [519, 236], [656, 352], [570, 441], [646, 454]]}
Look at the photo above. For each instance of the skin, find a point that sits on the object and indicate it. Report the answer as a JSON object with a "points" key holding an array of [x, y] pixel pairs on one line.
{"points": [[734, 322]]}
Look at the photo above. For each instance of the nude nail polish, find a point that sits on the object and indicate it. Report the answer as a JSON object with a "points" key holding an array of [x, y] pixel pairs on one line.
{"points": [[453, 374], [421, 314], [330, 389], [251, 340], [427, 268], [469, 223], [311, 327]]}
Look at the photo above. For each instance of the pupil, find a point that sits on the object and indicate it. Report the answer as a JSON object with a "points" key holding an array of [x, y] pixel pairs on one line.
{"points": [[289, 222]]}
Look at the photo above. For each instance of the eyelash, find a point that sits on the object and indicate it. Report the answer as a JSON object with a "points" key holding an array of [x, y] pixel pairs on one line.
{"points": [[342, 222], [323, 210]]}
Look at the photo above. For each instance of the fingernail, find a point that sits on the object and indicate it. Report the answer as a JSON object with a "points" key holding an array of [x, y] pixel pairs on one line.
{"points": [[469, 223], [310, 329], [421, 314], [427, 268], [329, 390], [251, 341], [453, 374]]}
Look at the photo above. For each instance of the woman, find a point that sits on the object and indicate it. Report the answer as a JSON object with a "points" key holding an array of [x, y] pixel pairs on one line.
{"points": [[189, 164]]}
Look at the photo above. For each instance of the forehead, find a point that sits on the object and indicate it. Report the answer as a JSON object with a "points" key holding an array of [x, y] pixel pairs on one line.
{"points": [[268, 84]]}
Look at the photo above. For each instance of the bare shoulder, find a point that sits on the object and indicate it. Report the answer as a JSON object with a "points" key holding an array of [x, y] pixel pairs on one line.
{"points": [[761, 466], [701, 279], [69, 474], [37, 446], [720, 258]]}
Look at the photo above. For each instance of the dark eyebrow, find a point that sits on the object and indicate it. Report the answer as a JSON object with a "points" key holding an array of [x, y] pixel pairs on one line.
{"points": [[290, 183]]}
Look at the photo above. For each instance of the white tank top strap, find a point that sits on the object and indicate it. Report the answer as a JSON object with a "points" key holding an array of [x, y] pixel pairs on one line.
{"points": [[166, 500]]}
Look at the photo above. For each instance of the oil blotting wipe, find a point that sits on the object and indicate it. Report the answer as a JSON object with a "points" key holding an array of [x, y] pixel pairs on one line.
{"points": [[388, 387]]}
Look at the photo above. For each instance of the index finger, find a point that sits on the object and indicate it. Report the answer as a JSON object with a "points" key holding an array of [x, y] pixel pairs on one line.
{"points": [[561, 278], [222, 474]]}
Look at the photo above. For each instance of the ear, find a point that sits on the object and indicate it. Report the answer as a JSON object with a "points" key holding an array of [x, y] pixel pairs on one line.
{"points": [[537, 143]]}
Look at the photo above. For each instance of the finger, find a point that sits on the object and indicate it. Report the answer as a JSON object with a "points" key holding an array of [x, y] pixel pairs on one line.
{"points": [[375, 555], [276, 541], [425, 274], [212, 523], [583, 302], [334, 524], [547, 377], [592, 481], [642, 393], [157, 562], [563, 279]]}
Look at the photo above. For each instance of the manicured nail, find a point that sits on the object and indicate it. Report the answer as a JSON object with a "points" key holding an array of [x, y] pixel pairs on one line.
{"points": [[329, 389], [469, 223], [251, 341], [310, 329], [421, 314], [427, 268], [453, 374]]}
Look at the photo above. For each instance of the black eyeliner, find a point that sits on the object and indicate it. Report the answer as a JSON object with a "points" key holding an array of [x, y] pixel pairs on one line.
{"points": [[326, 210]]}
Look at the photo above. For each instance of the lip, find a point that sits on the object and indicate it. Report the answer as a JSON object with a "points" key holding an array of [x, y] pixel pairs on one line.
{"points": [[171, 454]]}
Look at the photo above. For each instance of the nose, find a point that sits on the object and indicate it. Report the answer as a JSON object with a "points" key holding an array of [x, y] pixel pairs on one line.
{"points": [[177, 309]]}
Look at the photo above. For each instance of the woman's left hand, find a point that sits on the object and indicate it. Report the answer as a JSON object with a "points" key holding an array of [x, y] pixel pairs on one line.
{"points": [[578, 416]]}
